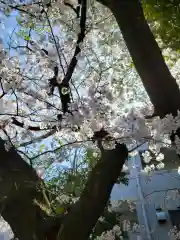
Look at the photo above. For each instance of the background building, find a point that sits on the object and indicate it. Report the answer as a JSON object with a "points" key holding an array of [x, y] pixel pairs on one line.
{"points": [[156, 198]]}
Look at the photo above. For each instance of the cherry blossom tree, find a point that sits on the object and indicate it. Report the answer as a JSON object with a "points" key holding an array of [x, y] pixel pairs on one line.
{"points": [[67, 80], [155, 75]]}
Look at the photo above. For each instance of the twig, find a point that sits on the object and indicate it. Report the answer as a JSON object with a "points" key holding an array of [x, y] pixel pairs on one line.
{"points": [[19, 9], [46, 135]]}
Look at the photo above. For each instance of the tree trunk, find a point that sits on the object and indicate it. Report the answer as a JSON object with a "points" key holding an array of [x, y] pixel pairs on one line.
{"points": [[161, 87], [19, 189], [83, 215]]}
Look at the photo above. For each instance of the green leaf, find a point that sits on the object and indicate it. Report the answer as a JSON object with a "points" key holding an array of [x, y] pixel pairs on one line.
{"points": [[131, 65], [27, 38], [7, 11], [59, 209], [42, 148], [60, 143], [19, 21]]}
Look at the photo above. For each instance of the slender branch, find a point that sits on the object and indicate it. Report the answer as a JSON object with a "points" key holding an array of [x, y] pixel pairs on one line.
{"points": [[54, 39], [42, 137], [32, 128], [162, 190], [80, 39], [2, 95], [57, 149], [76, 10], [131, 150], [66, 98], [19, 9]]}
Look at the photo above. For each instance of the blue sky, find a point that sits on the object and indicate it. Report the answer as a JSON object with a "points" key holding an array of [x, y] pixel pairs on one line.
{"points": [[8, 26]]}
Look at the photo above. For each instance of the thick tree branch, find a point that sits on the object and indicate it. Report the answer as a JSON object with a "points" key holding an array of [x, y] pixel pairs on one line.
{"points": [[19, 194], [80, 39], [65, 82], [160, 85], [65, 98], [32, 128], [37, 139], [83, 215]]}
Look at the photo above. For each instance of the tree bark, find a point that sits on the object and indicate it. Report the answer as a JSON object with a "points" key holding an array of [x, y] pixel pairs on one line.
{"points": [[19, 189], [83, 215], [160, 85]]}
